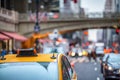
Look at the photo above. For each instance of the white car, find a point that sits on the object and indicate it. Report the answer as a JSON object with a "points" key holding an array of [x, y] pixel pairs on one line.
{"points": [[99, 50]]}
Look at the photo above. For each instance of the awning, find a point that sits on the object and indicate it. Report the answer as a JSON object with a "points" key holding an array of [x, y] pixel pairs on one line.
{"points": [[14, 35], [3, 37]]}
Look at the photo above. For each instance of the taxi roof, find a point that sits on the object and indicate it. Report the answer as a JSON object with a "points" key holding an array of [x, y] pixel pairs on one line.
{"points": [[39, 58]]}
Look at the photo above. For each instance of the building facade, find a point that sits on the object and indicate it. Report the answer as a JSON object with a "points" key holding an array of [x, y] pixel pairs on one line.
{"points": [[50, 5], [112, 6], [109, 6], [117, 5]]}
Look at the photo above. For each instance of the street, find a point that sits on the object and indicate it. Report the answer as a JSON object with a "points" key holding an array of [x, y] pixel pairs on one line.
{"points": [[59, 39], [87, 70]]}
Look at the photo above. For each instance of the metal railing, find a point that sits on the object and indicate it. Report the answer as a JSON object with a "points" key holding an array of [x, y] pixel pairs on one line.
{"points": [[15, 17], [27, 17]]}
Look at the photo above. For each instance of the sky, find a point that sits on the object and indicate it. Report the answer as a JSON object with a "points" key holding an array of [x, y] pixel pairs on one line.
{"points": [[93, 5]]}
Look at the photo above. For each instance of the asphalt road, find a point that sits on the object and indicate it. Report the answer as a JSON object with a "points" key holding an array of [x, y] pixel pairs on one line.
{"points": [[87, 70]]}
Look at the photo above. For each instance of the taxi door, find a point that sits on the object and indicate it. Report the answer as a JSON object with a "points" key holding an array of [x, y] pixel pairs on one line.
{"points": [[67, 71]]}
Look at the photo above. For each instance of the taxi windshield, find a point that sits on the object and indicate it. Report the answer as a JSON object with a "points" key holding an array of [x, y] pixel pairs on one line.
{"points": [[29, 71]]}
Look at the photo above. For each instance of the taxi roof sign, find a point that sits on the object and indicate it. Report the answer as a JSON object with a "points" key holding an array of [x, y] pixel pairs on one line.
{"points": [[26, 52], [40, 58]]}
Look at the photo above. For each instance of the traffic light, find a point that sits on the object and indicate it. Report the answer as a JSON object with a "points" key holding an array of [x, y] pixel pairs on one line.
{"points": [[117, 31]]}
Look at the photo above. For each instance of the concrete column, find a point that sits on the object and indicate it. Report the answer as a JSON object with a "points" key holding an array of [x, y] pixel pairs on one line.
{"points": [[12, 4], [27, 6], [5, 6], [0, 3], [109, 36]]}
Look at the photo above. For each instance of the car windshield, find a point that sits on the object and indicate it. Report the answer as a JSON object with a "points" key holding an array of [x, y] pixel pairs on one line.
{"points": [[114, 58], [29, 71], [99, 48]]}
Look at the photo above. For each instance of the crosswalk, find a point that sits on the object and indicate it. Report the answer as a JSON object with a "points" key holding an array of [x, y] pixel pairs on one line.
{"points": [[81, 60]]}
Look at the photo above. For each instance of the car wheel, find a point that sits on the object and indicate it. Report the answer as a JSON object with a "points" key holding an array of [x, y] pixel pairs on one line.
{"points": [[104, 74], [107, 79]]}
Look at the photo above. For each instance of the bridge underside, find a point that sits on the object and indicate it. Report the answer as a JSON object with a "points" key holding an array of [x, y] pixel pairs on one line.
{"points": [[27, 28]]}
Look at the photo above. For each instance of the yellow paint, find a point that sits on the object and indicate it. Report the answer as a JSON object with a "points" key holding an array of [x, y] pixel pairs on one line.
{"points": [[39, 58], [60, 67]]}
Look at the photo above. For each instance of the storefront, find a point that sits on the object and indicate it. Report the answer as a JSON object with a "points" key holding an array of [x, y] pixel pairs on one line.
{"points": [[3, 41], [10, 40]]}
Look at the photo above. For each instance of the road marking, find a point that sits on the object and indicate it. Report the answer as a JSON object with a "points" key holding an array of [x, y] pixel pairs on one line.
{"points": [[98, 78], [95, 69]]}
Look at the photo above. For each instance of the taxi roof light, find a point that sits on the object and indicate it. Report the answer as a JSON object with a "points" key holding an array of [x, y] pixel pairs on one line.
{"points": [[26, 52]]}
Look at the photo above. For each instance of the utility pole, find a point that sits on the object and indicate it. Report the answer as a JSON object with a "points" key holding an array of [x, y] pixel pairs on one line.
{"points": [[37, 27]]}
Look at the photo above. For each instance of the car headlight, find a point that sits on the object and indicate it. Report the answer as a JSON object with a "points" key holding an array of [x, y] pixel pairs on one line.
{"points": [[85, 53], [119, 71], [72, 54], [110, 68], [80, 54]]}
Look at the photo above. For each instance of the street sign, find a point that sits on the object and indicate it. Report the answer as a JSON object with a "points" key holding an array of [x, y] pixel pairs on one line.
{"points": [[36, 28]]}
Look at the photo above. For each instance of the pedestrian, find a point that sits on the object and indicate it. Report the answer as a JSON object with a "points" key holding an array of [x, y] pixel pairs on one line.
{"points": [[3, 53], [117, 48], [89, 54], [91, 51], [36, 45]]}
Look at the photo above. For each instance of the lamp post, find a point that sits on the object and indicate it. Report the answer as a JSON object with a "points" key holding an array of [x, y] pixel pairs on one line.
{"points": [[37, 27]]}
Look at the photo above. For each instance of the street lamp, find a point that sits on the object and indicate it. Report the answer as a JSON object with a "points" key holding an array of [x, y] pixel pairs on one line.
{"points": [[37, 27]]}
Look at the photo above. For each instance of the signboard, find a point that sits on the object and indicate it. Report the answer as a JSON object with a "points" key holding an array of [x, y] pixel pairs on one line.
{"points": [[36, 28]]}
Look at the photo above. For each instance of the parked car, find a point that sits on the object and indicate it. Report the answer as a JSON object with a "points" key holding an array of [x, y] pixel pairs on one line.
{"points": [[110, 66]]}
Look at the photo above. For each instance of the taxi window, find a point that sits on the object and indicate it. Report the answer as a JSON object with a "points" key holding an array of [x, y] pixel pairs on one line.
{"points": [[67, 64], [29, 71], [66, 69], [65, 72]]}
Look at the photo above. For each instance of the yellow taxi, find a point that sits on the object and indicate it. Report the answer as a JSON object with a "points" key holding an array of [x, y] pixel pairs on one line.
{"points": [[40, 67]]}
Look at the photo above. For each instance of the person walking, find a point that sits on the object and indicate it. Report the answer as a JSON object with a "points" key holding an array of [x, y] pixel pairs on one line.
{"points": [[3, 53], [91, 51], [117, 48]]}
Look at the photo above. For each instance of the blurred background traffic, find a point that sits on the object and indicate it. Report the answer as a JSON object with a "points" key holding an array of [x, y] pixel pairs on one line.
{"points": [[83, 30]]}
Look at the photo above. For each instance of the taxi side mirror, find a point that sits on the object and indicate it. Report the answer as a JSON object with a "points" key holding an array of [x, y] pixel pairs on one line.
{"points": [[72, 64]]}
